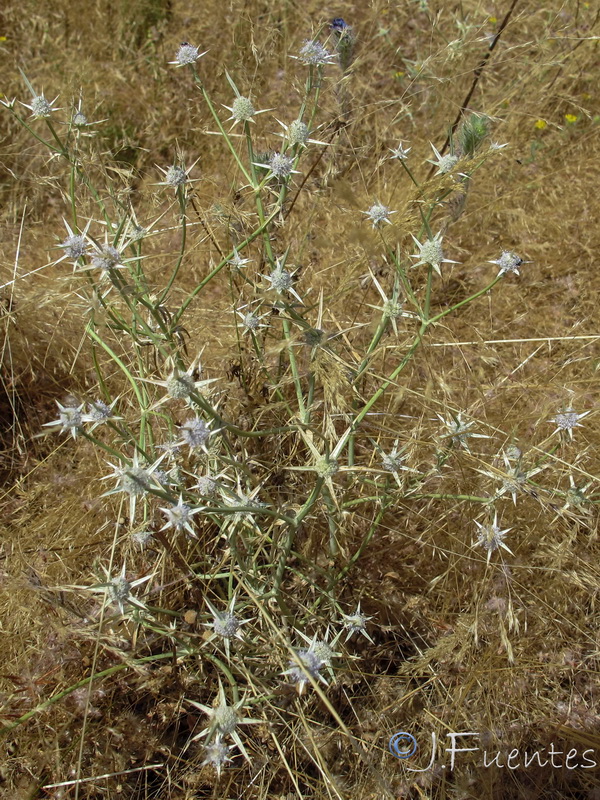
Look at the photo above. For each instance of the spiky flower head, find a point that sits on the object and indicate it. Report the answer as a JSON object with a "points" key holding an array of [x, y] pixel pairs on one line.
{"points": [[106, 258], [217, 754], [313, 53], [195, 432], [459, 431], [281, 279], [242, 109], [400, 152], [513, 453], [393, 309], [251, 321], [326, 467], [180, 385], [179, 517], [187, 54], [142, 538], [355, 623], [175, 176], [117, 590], [79, 119], [224, 720], [567, 420], [378, 213], [490, 537], [311, 665], [237, 261], [69, 419], [135, 480], [99, 412], [443, 163], [508, 262], [431, 252], [298, 132], [393, 462], [75, 246], [207, 486], [226, 625], [317, 655], [41, 107], [323, 651], [281, 165]]}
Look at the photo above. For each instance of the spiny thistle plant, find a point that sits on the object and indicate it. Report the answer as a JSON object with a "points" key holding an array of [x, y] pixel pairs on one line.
{"points": [[272, 425]]}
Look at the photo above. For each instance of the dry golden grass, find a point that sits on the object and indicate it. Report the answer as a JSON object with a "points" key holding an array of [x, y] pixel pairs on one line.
{"points": [[509, 649]]}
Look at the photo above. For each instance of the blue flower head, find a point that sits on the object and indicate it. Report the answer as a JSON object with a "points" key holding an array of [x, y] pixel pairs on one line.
{"points": [[338, 25]]}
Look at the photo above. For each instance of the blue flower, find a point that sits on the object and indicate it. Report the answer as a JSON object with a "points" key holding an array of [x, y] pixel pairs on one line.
{"points": [[338, 25]]}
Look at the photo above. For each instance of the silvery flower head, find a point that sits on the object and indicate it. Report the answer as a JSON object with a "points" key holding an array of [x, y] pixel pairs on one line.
{"points": [[187, 54], [314, 54], [134, 479], [567, 420], [242, 109], [400, 152], [251, 321], [224, 720], [355, 623], [298, 132], [41, 107], [459, 431], [179, 517], [281, 280], [217, 754], [237, 261], [180, 385], [75, 246], [206, 486], [107, 258], [431, 252], [378, 213], [99, 412], [281, 165], [319, 654], [445, 163], [326, 467], [69, 419], [311, 665], [490, 537], [508, 262], [393, 462], [195, 433], [79, 119], [226, 625], [175, 176], [117, 590]]}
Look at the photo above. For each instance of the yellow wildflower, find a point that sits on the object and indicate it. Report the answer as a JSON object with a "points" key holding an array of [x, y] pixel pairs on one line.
{"points": [[540, 124], [571, 118]]}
